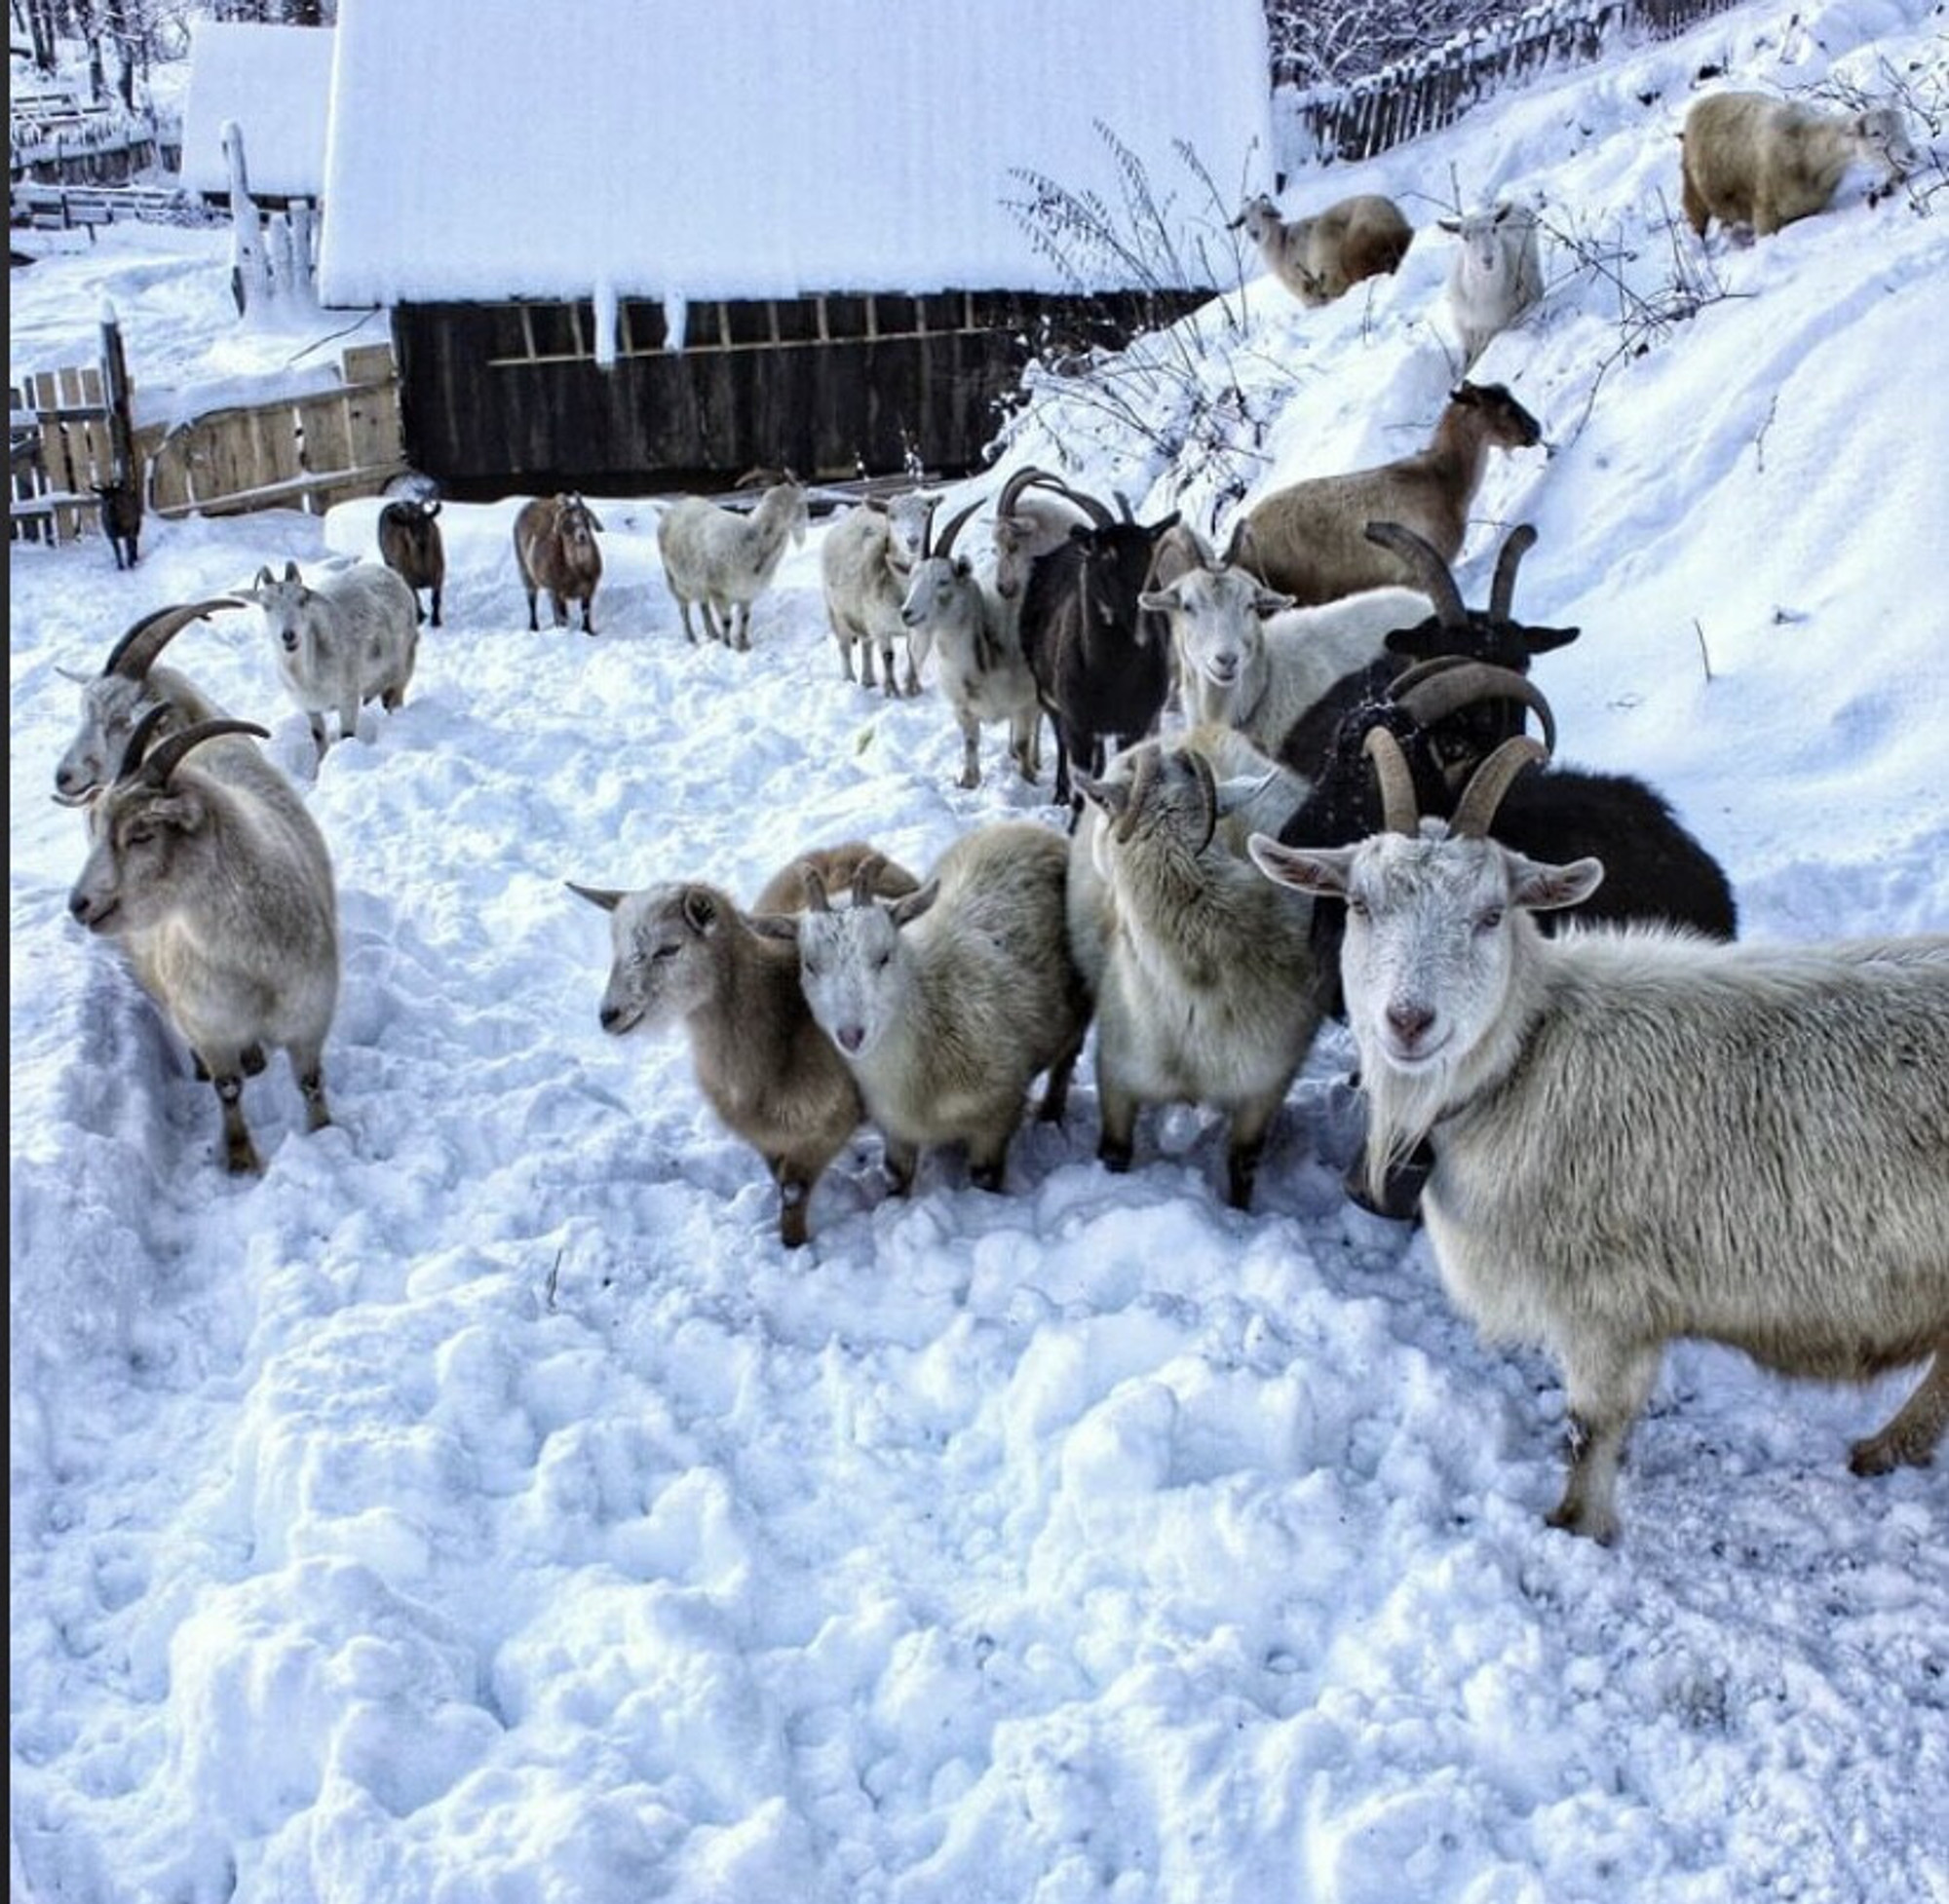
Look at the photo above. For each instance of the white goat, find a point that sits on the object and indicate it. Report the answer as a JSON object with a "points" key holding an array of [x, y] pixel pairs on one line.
{"points": [[1207, 990], [128, 686], [351, 639], [865, 565], [970, 631], [947, 1004], [218, 883], [689, 954], [1248, 659], [1322, 257], [1496, 276], [1640, 1136], [1751, 160], [723, 560]]}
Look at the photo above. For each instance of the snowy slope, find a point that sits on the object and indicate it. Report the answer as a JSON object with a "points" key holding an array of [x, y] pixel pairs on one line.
{"points": [[483, 1507]]}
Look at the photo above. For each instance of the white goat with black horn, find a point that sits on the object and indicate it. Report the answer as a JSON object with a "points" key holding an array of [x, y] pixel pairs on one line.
{"points": [[206, 866], [1641, 1136], [970, 631], [128, 686]]}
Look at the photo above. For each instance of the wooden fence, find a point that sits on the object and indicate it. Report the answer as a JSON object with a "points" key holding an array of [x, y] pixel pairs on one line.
{"points": [[1433, 90], [306, 452]]}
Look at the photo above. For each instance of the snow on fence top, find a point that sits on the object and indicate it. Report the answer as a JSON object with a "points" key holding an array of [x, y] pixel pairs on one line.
{"points": [[483, 149], [275, 83]]}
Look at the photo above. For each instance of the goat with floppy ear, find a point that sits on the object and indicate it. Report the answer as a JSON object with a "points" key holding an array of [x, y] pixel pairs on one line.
{"points": [[688, 953], [1325, 256], [208, 868]]}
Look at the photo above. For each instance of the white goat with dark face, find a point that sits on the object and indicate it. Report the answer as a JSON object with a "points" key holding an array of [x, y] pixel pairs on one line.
{"points": [[350, 640], [1640, 1135], [1497, 274], [206, 864], [127, 687]]}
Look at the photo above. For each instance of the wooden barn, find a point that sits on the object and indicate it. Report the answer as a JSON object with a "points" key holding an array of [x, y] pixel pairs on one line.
{"points": [[274, 83], [635, 242]]}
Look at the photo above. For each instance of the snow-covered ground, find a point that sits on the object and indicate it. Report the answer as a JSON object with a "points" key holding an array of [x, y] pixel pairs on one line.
{"points": [[481, 1505]]}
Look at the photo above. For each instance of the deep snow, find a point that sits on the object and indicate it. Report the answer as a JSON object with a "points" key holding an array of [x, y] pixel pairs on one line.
{"points": [[483, 1507]]}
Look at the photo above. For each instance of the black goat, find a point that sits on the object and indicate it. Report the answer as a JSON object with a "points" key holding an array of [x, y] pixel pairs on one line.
{"points": [[1491, 636], [1102, 663], [122, 516], [411, 546]]}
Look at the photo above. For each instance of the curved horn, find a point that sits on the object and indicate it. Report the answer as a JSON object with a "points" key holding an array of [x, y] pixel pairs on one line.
{"points": [[955, 525], [139, 740], [1099, 516], [1140, 788], [1421, 555], [1515, 545], [167, 758], [1208, 786], [1476, 810], [135, 653], [1432, 690], [815, 899], [1123, 503], [864, 874], [1025, 479], [1398, 812]]}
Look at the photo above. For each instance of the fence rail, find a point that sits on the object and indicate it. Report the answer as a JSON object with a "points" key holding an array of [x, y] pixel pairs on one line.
{"points": [[1434, 89], [311, 450]]}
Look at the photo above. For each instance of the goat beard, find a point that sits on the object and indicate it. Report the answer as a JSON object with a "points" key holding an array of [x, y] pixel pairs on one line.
{"points": [[1402, 1109]]}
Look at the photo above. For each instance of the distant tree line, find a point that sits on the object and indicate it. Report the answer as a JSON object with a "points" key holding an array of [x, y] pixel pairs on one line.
{"points": [[1323, 42], [124, 38]]}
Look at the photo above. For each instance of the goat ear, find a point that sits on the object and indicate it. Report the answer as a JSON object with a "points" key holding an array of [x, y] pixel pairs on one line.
{"points": [[904, 911], [1319, 870], [264, 578], [1541, 640], [963, 568], [1080, 532], [775, 924], [183, 810], [596, 895], [1160, 601], [595, 521], [1547, 888], [1269, 601], [1421, 642], [73, 674], [1112, 798], [699, 910], [1449, 224]]}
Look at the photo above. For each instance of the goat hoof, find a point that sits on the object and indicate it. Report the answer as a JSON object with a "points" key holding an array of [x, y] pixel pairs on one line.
{"points": [[1114, 1157], [986, 1176]]}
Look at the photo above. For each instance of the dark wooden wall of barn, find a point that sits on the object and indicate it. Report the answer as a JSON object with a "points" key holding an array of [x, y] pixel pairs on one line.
{"points": [[487, 425]]}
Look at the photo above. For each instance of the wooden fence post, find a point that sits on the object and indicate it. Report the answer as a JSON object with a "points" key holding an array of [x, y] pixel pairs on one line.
{"points": [[249, 275]]}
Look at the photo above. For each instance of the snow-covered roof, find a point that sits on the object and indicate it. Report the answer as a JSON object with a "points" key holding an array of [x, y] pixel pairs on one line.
{"points": [[275, 83], [656, 148]]}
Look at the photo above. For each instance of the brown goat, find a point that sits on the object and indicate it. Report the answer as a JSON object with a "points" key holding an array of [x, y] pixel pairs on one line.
{"points": [[1310, 541], [411, 546], [555, 547], [122, 517]]}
